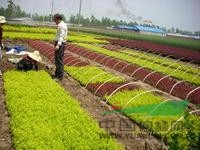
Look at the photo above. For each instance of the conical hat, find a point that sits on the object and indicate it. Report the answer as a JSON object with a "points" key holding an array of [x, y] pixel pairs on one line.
{"points": [[35, 56], [2, 19]]}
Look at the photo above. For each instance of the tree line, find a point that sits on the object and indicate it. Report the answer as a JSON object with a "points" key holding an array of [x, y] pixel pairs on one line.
{"points": [[93, 21], [104, 21], [15, 11], [177, 30]]}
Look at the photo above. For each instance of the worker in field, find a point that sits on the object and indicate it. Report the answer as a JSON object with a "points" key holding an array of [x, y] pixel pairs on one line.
{"points": [[29, 61], [60, 42], [2, 22]]}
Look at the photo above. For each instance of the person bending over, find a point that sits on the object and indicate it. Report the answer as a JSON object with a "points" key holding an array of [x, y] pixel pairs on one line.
{"points": [[29, 61]]}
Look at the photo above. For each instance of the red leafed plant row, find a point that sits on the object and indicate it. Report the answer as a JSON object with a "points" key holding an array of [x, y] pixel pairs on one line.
{"points": [[99, 89], [176, 52], [182, 90], [48, 51]]}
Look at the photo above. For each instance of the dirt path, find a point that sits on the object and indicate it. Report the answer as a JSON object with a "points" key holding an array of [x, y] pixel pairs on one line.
{"points": [[5, 136]]}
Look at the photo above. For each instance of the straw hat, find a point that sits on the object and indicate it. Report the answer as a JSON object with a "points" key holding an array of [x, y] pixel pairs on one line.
{"points": [[35, 56], [2, 19]]}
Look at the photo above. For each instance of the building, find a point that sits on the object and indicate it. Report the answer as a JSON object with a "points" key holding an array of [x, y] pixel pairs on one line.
{"points": [[184, 36], [30, 22], [23, 19], [143, 30]]}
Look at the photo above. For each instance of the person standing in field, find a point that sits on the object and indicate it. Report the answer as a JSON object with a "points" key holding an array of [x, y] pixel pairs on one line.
{"points": [[60, 42], [2, 22]]}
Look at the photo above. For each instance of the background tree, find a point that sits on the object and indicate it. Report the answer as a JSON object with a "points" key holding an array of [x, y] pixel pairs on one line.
{"points": [[177, 30], [197, 33], [11, 9], [173, 30]]}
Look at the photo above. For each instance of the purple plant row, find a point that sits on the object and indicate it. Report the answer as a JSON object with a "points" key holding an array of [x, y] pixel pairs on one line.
{"points": [[48, 51], [99, 89], [176, 52]]}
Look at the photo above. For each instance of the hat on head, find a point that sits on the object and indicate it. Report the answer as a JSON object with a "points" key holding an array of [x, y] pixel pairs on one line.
{"points": [[2, 19], [35, 56]]}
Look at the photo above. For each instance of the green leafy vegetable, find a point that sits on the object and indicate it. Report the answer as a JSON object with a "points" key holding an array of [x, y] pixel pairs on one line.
{"points": [[44, 116], [91, 74], [145, 63]]}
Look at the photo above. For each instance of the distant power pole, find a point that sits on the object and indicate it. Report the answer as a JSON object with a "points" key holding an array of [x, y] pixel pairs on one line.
{"points": [[51, 15], [79, 15]]}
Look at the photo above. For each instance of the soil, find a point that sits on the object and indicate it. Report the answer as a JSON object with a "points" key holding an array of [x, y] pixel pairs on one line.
{"points": [[113, 47], [5, 136], [112, 123]]}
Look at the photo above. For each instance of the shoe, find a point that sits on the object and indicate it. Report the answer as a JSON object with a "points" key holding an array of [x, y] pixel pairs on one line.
{"points": [[57, 80]]}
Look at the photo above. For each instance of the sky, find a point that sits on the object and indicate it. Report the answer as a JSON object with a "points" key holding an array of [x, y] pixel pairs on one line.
{"points": [[184, 14]]}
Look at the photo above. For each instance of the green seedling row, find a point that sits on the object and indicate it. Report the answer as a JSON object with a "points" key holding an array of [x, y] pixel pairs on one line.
{"points": [[51, 37], [179, 42], [141, 106], [81, 38], [20, 28], [92, 74], [123, 97], [144, 63], [160, 117], [162, 60], [26, 35], [46, 33], [44, 116]]}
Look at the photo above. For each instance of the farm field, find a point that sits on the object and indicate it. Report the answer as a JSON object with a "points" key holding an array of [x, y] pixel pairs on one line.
{"points": [[157, 92], [171, 41], [34, 127]]}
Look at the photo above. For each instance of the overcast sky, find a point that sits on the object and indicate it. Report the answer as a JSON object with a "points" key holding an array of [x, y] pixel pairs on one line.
{"points": [[184, 14]]}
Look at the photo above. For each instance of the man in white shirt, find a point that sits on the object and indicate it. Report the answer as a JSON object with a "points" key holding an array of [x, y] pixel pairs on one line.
{"points": [[60, 42]]}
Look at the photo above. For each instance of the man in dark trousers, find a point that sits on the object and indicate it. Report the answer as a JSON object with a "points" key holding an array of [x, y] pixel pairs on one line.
{"points": [[60, 42]]}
